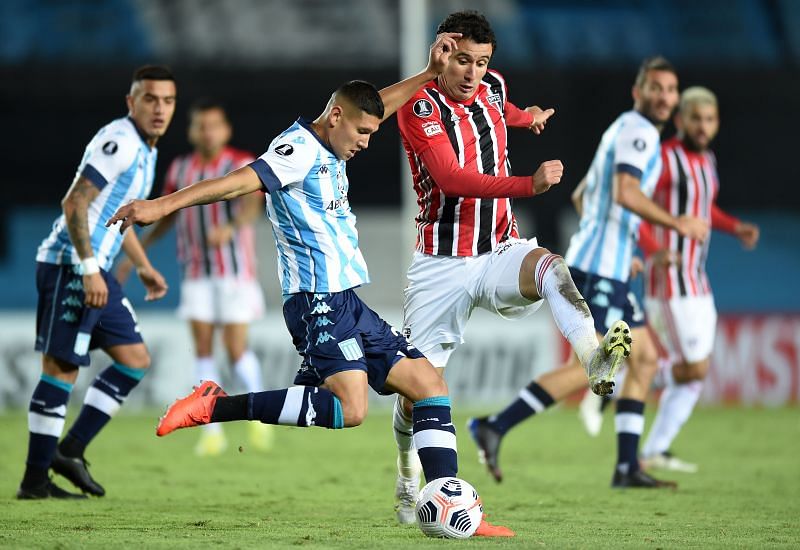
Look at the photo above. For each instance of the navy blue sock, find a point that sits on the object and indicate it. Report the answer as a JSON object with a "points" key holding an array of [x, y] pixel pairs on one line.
{"points": [[45, 423], [629, 422], [435, 438], [103, 399], [532, 399], [296, 406]]}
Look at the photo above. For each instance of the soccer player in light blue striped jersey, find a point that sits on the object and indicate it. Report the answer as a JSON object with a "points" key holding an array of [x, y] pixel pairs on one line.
{"points": [[81, 304], [345, 346], [615, 197]]}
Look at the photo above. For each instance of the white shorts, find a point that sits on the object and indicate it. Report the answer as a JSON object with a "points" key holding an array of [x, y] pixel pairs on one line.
{"points": [[221, 300], [442, 291], [685, 325]]}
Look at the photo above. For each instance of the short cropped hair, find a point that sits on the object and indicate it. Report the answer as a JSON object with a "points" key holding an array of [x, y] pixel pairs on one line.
{"points": [[152, 72], [696, 95], [470, 24], [207, 104], [655, 63], [363, 95]]}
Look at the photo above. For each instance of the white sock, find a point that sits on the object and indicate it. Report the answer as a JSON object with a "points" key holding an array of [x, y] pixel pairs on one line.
{"points": [[571, 314], [206, 369], [674, 409], [248, 371], [407, 459]]}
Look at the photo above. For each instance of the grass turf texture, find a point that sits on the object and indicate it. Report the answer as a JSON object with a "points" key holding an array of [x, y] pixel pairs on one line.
{"points": [[324, 489]]}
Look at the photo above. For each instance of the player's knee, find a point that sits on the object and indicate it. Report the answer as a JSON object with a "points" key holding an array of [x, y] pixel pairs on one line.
{"points": [[435, 386], [354, 414], [408, 406], [691, 372]]}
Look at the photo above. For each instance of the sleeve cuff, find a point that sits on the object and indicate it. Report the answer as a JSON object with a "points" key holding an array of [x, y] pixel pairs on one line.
{"points": [[91, 174], [628, 169], [269, 181]]}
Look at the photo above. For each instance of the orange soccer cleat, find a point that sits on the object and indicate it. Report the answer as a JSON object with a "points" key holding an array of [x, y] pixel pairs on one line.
{"points": [[193, 410], [486, 529]]}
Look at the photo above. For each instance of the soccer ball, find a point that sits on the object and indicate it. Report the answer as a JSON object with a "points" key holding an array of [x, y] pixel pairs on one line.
{"points": [[449, 507]]}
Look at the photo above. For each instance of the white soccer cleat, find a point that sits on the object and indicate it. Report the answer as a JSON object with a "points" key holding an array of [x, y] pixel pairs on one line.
{"points": [[406, 492], [608, 358], [590, 414], [666, 461]]}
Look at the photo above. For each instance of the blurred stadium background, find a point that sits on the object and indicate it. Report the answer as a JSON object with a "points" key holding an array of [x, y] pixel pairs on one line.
{"points": [[65, 67]]}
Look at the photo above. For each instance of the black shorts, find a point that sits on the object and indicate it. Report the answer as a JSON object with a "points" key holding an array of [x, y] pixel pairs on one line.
{"points": [[67, 329], [337, 332], [609, 300]]}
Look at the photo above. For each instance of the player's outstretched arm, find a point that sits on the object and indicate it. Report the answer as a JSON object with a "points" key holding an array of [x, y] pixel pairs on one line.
{"points": [[153, 281], [628, 194], [144, 212], [396, 95]]}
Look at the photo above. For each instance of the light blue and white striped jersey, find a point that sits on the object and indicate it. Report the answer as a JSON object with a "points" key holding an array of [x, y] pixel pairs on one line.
{"points": [[122, 166], [608, 232], [314, 228]]}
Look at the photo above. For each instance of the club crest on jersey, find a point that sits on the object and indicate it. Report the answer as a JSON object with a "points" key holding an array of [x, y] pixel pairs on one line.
{"points": [[431, 128], [423, 108], [284, 149], [493, 98], [110, 147]]}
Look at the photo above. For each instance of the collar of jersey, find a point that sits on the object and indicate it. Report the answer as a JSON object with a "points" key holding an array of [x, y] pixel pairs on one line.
{"points": [[470, 101], [138, 131], [307, 125]]}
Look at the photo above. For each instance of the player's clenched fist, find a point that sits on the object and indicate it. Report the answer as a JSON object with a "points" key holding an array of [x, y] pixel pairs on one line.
{"points": [[692, 227], [136, 212], [548, 174]]}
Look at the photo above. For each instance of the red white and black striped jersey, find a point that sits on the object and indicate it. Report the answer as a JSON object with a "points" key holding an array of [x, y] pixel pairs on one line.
{"points": [[237, 257], [460, 223], [688, 185]]}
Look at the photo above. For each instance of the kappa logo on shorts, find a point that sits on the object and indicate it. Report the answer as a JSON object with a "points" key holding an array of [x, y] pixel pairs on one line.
{"points": [[321, 308], [324, 337], [351, 350], [423, 108], [323, 322]]}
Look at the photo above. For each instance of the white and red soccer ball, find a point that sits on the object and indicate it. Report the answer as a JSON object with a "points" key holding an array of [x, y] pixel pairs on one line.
{"points": [[449, 507]]}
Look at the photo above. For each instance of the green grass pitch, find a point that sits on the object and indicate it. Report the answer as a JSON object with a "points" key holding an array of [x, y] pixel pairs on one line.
{"points": [[324, 489]]}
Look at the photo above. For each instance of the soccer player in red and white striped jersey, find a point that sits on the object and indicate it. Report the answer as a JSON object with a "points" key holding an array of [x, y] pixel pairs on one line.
{"points": [[679, 303], [216, 249], [469, 253]]}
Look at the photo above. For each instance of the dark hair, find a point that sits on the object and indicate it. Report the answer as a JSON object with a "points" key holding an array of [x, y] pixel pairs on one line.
{"points": [[470, 24], [152, 72], [655, 63], [207, 104], [363, 95]]}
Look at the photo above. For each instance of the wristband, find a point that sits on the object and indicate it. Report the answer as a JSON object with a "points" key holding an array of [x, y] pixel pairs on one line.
{"points": [[90, 266]]}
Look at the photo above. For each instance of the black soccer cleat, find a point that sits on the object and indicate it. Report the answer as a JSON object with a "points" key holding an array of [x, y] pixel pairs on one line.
{"points": [[48, 489], [488, 441], [76, 470], [639, 479]]}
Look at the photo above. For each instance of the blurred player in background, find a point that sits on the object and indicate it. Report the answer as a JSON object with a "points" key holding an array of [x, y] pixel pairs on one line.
{"points": [[81, 305], [679, 302], [216, 248], [469, 253], [615, 197], [346, 347]]}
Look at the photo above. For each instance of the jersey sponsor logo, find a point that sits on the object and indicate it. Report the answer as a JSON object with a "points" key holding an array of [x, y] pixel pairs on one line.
{"points": [[110, 147], [336, 204], [423, 108], [284, 149], [639, 144], [432, 128], [351, 350]]}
